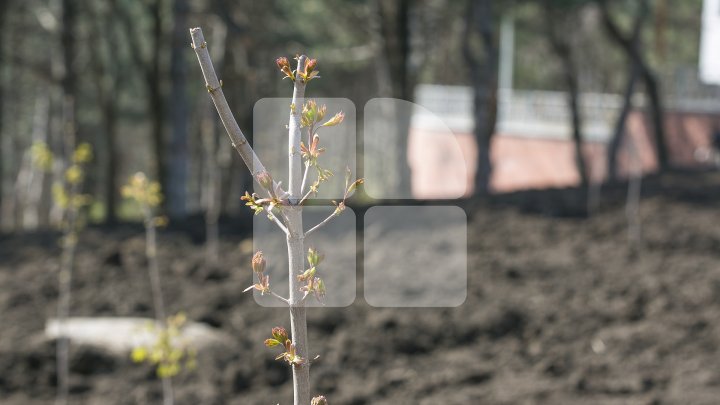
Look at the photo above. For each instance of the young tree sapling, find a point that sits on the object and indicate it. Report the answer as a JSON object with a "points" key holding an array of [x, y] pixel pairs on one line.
{"points": [[284, 207], [67, 194], [168, 353]]}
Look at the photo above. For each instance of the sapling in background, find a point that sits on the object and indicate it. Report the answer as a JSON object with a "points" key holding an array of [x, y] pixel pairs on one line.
{"points": [[284, 207], [168, 352], [67, 194], [148, 196]]}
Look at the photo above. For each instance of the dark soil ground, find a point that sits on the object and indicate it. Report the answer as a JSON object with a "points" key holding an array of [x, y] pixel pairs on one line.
{"points": [[560, 310]]}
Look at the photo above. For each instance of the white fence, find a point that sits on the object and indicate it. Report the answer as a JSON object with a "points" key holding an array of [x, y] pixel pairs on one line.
{"points": [[542, 114]]}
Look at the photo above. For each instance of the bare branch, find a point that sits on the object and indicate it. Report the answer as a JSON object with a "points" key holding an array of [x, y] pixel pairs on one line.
{"points": [[304, 180], [281, 298], [214, 87], [305, 197], [334, 214], [277, 221]]}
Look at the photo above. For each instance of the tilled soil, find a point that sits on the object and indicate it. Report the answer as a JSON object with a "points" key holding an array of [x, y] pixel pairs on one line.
{"points": [[559, 310]]}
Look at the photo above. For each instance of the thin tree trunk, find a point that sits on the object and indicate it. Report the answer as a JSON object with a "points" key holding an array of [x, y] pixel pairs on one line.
{"points": [[394, 74], [656, 115], [632, 205], [67, 262], [157, 104], [177, 175], [632, 48], [69, 80], [483, 72], [3, 60], [156, 288], [69, 243], [67, 39], [65, 145], [296, 248], [34, 186], [564, 53], [111, 168], [107, 80], [638, 22], [153, 83], [619, 129]]}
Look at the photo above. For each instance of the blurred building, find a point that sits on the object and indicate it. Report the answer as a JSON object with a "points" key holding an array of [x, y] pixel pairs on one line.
{"points": [[532, 147]]}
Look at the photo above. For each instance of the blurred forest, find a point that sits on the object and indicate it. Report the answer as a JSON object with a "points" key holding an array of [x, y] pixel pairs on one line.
{"points": [[120, 75]]}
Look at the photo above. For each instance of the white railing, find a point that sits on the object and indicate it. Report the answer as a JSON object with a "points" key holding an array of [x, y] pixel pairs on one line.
{"points": [[541, 114]]}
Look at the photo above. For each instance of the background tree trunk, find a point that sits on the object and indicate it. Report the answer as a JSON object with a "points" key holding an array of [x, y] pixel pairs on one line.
{"points": [[107, 82], [632, 48], [178, 173], [69, 79], [394, 74], [619, 129], [151, 69], [479, 21], [563, 51], [157, 104], [3, 12]]}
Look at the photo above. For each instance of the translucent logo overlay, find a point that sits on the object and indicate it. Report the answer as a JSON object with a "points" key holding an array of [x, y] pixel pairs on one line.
{"points": [[412, 256]]}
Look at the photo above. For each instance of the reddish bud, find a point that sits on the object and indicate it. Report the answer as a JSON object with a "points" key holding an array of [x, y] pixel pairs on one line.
{"points": [[282, 63], [319, 400], [258, 262], [310, 66], [265, 180], [280, 334]]}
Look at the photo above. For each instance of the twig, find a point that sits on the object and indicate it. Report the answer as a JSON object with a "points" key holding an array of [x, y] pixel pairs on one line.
{"points": [[214, 87], [334, 214], [275, 220], [304, 180], [305, 197], [281, 298], [156, 288], [67, 261]]}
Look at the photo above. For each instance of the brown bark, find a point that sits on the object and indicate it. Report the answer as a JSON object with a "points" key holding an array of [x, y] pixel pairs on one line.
{"points": [[619, 129], [394, 35], [3, 13], [563, 51], [633, 51], [157, 104], [107, 80], [177, 176], [484, 77], [150, 68]]}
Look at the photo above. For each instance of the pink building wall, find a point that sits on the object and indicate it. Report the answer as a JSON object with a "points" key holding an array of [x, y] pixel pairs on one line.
{"points": [[444, 167]]}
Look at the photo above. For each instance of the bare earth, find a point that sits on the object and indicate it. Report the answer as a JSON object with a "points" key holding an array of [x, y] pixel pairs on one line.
{"points": [[559, 310]]}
